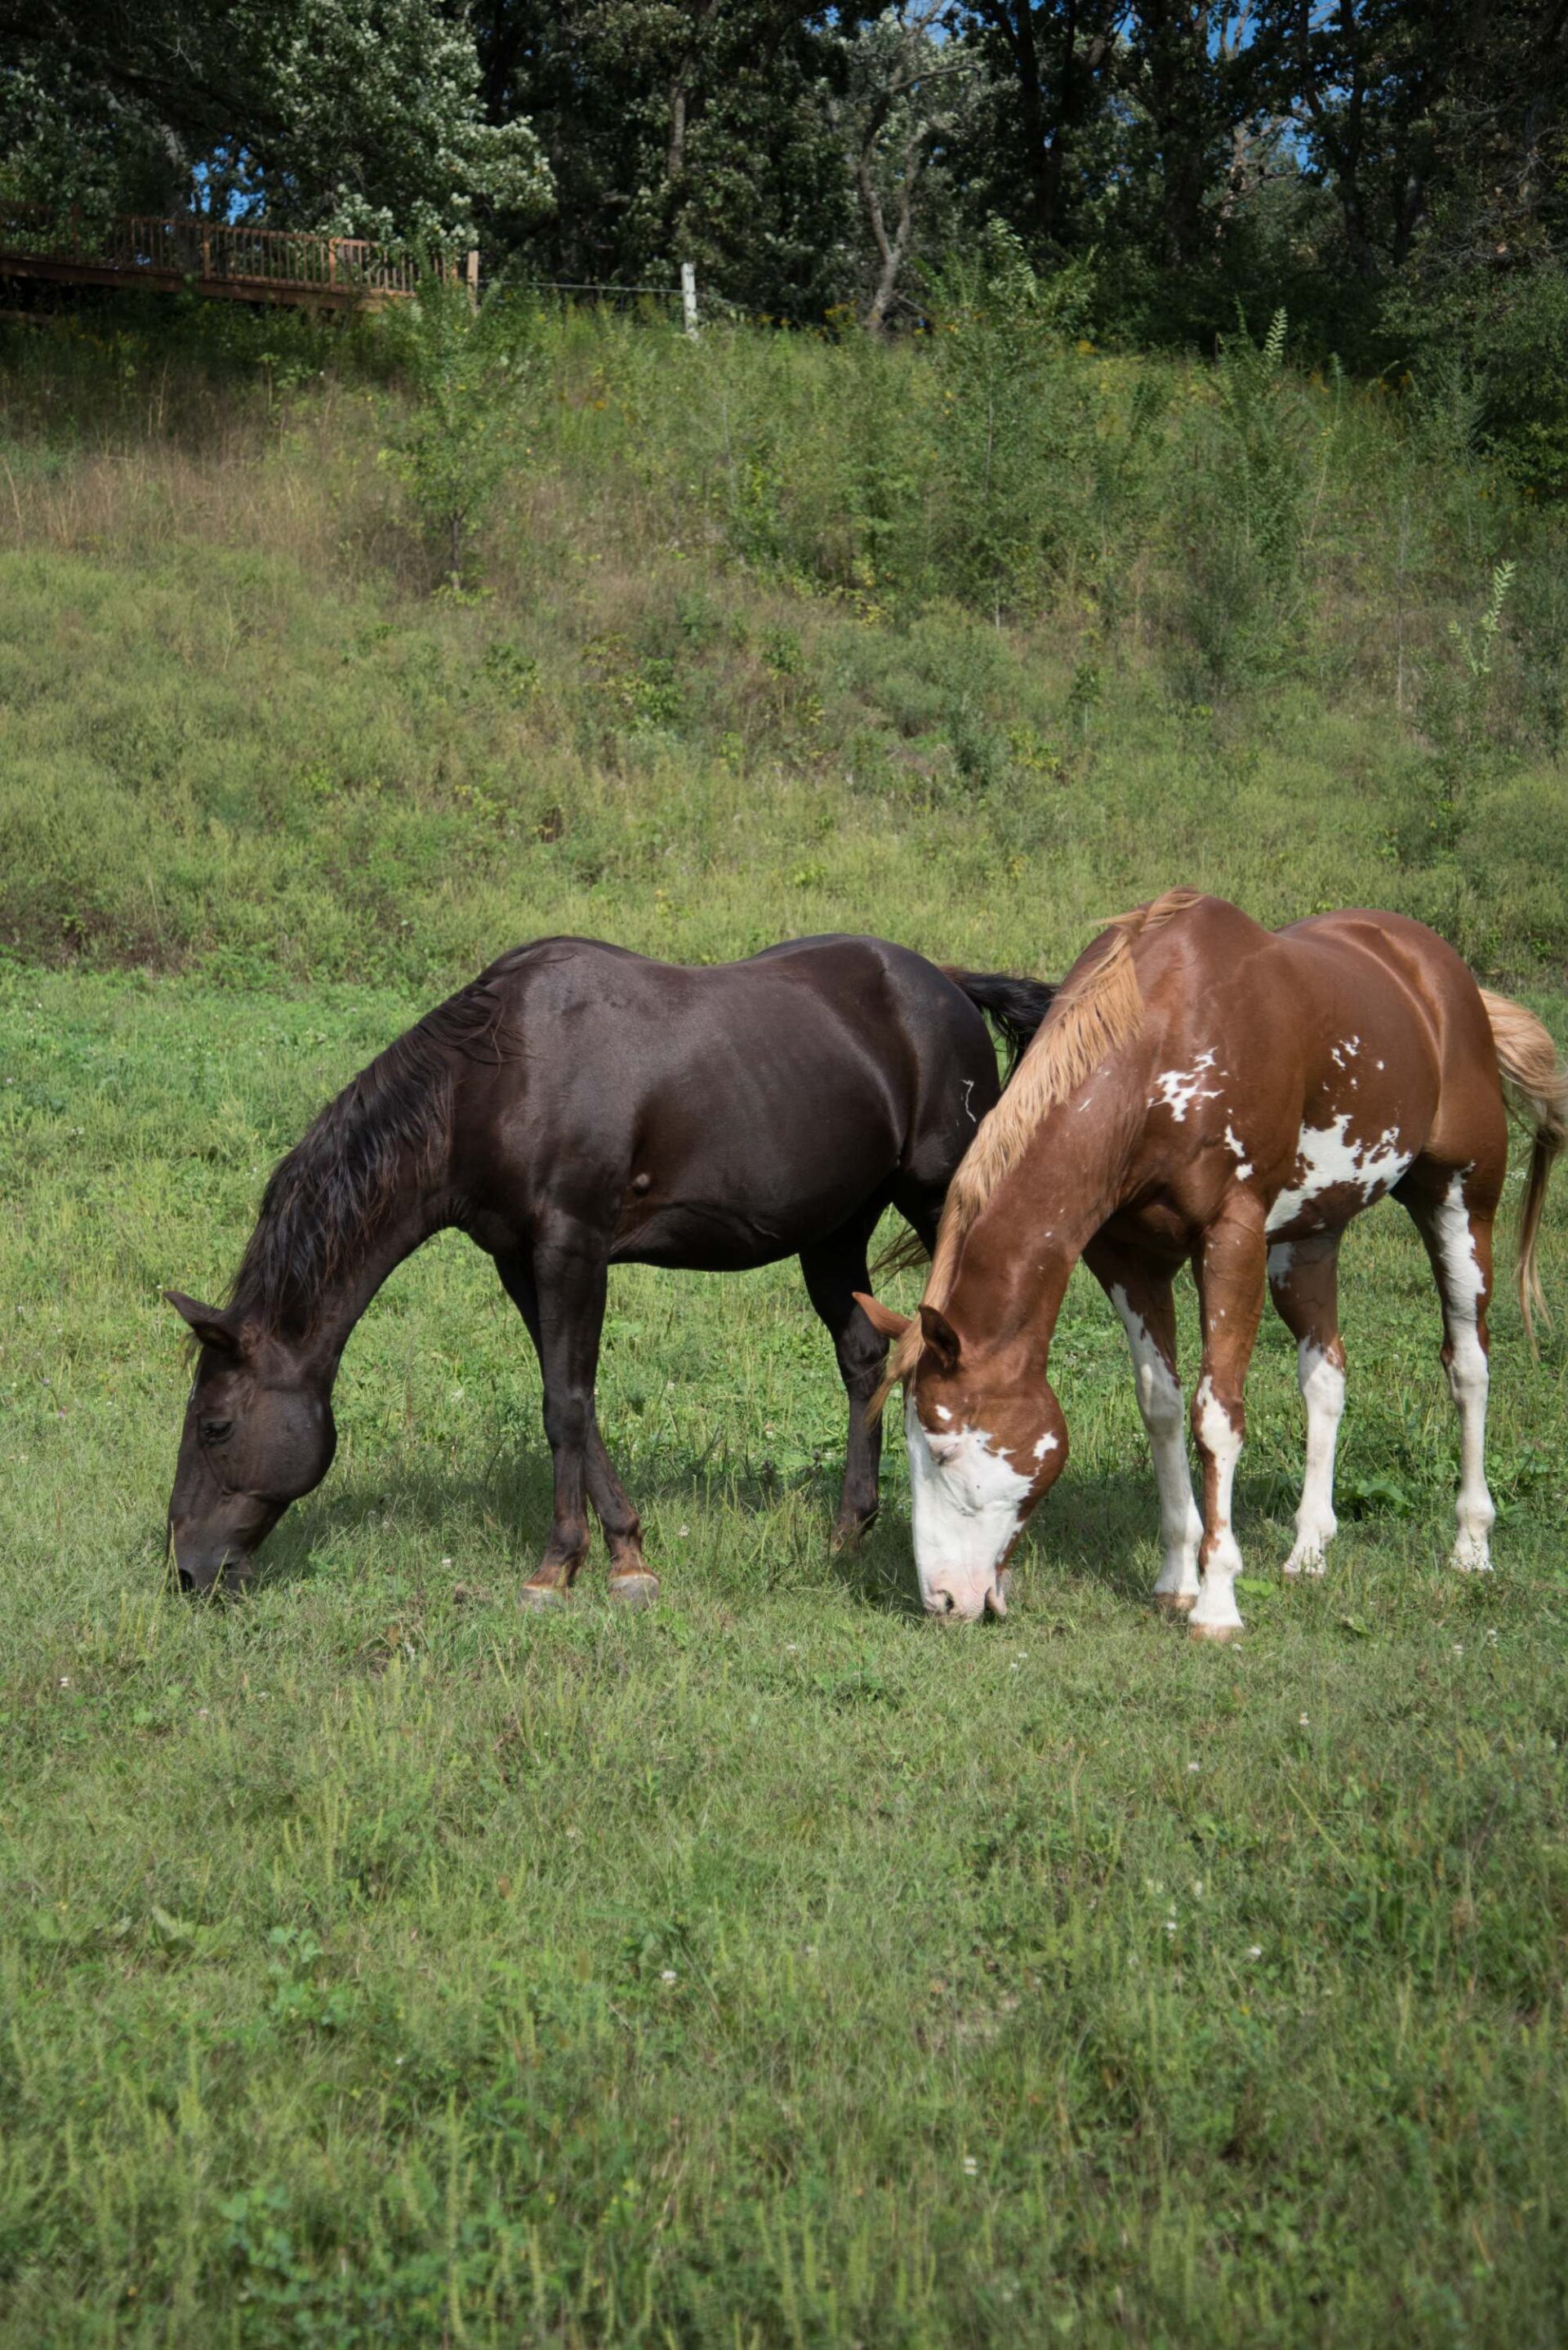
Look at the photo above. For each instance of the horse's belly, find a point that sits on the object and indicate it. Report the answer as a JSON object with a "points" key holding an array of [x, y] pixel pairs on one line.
{"points": [[731, 1235], [693, 1238]]}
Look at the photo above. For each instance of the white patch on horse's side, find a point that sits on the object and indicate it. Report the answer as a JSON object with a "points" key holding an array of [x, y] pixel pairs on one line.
{"points": [[942, 1412], [966, 1507], [1282, 1256], [1346, 1049], [1243, 1164], [1047, 1444], [1463, 1286], [1330, 1161], [1179, 1089], [1160, 1401]]}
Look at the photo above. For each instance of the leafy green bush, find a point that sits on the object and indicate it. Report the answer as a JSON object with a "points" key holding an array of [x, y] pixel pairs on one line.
{"points": [[1507, 327], [453, 451]]}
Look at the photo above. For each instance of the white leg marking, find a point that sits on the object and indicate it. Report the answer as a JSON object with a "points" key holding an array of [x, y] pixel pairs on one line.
{"points": [[1217, 1612], [1462, 1286], [1322, 1392], [1160, 1401]]}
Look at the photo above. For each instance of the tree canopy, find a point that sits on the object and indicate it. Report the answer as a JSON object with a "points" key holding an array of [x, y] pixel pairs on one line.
{"points": [[364, 117], [1393, 171]]}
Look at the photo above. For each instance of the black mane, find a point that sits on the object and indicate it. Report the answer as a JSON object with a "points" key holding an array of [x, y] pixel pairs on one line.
{"points": [[384, 1132]]}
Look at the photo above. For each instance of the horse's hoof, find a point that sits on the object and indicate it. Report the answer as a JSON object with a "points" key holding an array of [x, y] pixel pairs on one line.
{"points": [[1176, 1603], [1214, 1631], [637, 1589], [542, 1596]]}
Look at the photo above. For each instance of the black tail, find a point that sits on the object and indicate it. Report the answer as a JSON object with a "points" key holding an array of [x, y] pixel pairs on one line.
{"points": [[1014, 1007]]}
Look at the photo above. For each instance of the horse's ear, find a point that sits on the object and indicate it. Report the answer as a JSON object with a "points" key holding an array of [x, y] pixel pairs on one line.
{"points": [[941, 1339], [210, 1323], [882, 1318]]}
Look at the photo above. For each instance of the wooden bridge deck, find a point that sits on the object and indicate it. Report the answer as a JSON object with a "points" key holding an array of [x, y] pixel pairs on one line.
{"points": [[232, 261]]}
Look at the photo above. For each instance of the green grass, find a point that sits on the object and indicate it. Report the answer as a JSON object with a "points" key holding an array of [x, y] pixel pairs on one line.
{"points": [[380, 1964]]}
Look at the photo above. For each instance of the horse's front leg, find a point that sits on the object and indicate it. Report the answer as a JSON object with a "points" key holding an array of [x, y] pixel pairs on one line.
{"points": [[1229, 1263], [560, 1293], [1141, 1293], [835, 1269]]}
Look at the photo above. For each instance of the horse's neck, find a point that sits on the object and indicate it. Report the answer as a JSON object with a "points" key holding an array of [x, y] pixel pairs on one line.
{"points": [[357, 1285], [336, 1305], [1019, 1255], [1010, 1284]]}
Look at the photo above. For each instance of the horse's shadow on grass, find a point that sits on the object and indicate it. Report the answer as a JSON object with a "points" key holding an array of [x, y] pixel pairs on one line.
{"points": [[1102, 1529]]}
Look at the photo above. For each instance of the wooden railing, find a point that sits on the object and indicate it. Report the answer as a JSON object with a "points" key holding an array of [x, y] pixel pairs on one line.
{"points": [[251, 264]]}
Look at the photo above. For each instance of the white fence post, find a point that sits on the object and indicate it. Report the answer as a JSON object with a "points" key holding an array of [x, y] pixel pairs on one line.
{"points": [[689, 295]]}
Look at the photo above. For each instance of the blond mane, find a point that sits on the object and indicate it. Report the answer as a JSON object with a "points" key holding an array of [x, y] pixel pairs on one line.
{"points": [[1097, 1009]]}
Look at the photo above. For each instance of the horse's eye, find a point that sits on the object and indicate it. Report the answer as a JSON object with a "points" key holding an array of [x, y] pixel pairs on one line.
{"points": [[213, 1432]]}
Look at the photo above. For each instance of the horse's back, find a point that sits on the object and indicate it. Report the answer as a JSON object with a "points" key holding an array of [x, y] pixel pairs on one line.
{"points": [[1468, 1124], [881, 1010], [1322, 1060], [729, 1114], [1333, 985]]}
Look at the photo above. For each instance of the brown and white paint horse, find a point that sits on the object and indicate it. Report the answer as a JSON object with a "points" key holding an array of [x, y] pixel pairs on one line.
{"points": [[1205, 1089]]}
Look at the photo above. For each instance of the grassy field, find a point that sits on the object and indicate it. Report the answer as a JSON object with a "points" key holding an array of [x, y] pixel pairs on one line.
{"points": [[379, 1964]]}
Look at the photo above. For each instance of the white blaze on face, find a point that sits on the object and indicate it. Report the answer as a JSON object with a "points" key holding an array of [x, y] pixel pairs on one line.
{"points": [[1329, 1160], [967, 1504]]}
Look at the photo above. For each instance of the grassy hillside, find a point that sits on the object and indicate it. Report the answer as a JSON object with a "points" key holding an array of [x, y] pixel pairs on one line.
{"points": [[750, 636], [379, 1965]]}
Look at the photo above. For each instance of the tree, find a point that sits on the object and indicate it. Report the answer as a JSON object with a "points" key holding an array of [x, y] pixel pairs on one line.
{"points": [[681, 130], [1188, 82], [904, 91], [1362, 80], [363, 117], [1052, 67]]}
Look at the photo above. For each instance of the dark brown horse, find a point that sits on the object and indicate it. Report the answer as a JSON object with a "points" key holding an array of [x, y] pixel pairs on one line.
{"points": [[1204, 1089], [579, 1107]]}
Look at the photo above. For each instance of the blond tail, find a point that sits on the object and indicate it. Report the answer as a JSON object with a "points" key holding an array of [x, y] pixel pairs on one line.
{"points": [[1535, 1088]]}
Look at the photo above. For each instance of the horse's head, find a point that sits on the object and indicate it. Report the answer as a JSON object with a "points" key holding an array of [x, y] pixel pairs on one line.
{"points": [[258, 1433], [987, 1442]]}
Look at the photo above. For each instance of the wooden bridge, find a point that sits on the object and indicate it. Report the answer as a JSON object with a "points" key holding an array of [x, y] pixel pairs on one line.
{"points": [[165, 252]]}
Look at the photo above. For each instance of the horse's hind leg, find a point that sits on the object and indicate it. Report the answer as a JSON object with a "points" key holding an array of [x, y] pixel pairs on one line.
{"points": [[1454, 1217], [631, 1580], [834, 1270], [561, 1297], [1141, 1294], [1304, 1284]]}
